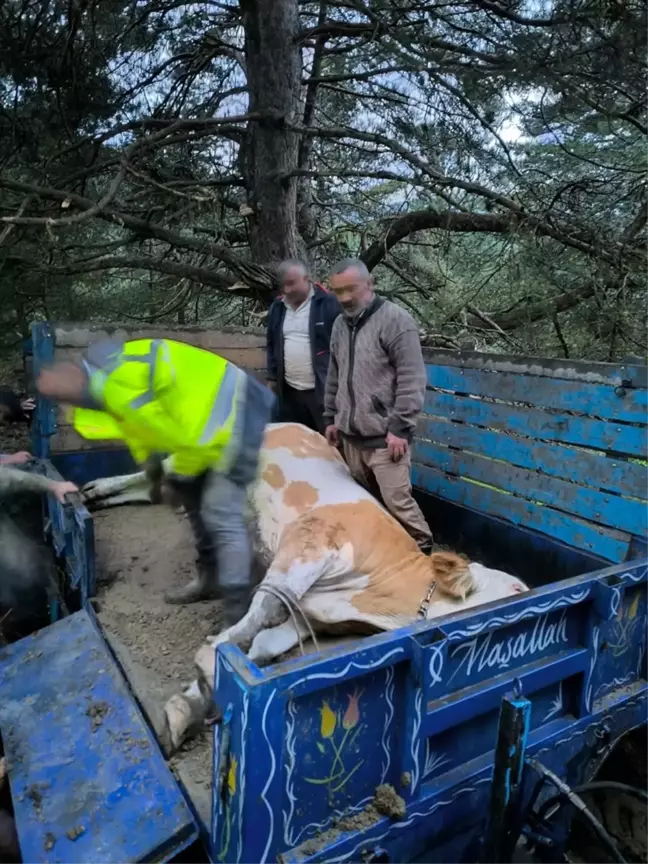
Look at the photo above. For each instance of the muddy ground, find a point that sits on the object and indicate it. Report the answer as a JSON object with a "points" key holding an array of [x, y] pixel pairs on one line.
{"points": [[142, 552]]}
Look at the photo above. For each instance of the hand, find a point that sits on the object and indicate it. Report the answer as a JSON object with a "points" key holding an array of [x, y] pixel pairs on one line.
{"points": [[61, 488], [272, 385], [332, 434], [396, 447], [28, 405], [20, 458]]}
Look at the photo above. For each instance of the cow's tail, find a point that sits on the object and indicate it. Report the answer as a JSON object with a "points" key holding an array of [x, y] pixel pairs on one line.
{"points": [[451, 573]]}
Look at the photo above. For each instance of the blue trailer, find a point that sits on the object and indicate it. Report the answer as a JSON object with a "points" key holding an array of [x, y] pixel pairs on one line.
{"points": [[442, 741]]}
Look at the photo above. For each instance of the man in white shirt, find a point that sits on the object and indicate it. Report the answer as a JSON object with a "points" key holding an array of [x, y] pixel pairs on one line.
{"points": [[300, 321]]}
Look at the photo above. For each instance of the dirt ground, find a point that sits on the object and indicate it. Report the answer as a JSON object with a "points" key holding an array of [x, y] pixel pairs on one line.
{"points": [[141, 552]]}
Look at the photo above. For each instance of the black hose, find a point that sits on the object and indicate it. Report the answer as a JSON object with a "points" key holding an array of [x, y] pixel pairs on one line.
{"points": [[603, 785], [597, 786], [580, 808]]}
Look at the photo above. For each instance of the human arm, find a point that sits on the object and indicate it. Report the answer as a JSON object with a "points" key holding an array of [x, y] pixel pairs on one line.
{"points": [[406, 357], [20, 458], [331, 387], [12, 481]]}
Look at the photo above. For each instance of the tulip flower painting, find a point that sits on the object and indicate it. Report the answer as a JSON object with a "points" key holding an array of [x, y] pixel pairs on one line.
{"points": [[349, 725], [231, 790]]}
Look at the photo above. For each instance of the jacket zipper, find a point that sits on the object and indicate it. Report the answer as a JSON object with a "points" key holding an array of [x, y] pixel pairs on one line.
{"points": [[352, 337]]}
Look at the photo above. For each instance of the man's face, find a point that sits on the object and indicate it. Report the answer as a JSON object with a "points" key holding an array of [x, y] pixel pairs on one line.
{"points": [[352, 290], [63, 382], [295, 286]]}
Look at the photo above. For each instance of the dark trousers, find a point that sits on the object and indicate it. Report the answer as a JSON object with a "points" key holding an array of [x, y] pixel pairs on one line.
{"points": [[300, 406]]}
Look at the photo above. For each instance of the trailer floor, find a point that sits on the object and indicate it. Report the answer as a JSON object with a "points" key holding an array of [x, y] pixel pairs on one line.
{"points": [[142, 552]]}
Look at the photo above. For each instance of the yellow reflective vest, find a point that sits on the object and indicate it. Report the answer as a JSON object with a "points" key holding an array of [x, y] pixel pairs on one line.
{"points": [[162, 396]]}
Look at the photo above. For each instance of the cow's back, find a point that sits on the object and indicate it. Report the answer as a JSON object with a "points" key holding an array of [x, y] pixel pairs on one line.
{"points": [[298, 472]]}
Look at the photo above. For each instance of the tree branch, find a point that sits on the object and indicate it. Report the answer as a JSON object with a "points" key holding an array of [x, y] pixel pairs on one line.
{"points": [[259, 278], [202, 275], [426, 220], [527, 313]]}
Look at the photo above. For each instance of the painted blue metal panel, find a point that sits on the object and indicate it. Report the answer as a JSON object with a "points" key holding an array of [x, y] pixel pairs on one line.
{"points": [[596, 400], [600, 507], [418, 709], [534, 557], [605, 542], [88, 781], [86, 465], [536, 423], [627, 374], [44, 417], [584, 468]]}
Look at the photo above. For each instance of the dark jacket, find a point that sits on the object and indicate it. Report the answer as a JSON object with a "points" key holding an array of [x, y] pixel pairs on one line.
{"points": [[323, 312]]}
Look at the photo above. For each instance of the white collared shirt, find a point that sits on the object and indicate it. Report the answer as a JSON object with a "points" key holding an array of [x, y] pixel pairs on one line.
{"points": [[298, 362]]}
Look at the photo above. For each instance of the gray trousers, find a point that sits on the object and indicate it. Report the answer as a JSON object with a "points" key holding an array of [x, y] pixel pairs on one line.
{"points": [[215, 503], [217, 518]]}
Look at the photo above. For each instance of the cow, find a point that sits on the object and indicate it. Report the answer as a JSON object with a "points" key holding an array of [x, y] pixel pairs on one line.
{"points": [[337, 562]]}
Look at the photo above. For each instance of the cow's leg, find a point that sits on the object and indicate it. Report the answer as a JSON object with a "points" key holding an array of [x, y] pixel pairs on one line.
{"points": [[275, 641], [185, 714], [266, 612], [266, 609], [110, 487], [129, 496]]}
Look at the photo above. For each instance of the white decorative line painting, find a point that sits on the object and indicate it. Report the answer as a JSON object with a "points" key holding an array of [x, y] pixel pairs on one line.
{"points": [[588, 687], [335, 676], [244, 722], [433, 760], [389, 716], [436, 663], [416, 739], [556, 705], [269, 779], [291, 739], [528, 612]]}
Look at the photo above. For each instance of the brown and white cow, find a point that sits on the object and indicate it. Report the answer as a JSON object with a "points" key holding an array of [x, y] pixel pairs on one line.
{"points": [[333, 552]]}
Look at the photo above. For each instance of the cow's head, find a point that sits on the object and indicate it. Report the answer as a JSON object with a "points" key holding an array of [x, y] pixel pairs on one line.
{"points": [[451, 572]]}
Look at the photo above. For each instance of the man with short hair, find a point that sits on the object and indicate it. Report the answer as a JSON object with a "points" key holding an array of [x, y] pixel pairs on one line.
{"points": [[375, 391], [299, 332]]}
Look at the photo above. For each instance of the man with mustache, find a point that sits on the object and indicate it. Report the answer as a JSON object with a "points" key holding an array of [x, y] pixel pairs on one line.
{"points": [[375, 390]]}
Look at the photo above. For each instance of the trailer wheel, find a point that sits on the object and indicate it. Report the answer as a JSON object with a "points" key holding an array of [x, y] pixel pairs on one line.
{"points": [[623, 816], [618, 798]]}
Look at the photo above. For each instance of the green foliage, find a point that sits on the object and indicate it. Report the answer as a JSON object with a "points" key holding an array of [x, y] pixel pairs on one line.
{"points": [[534, 125]]}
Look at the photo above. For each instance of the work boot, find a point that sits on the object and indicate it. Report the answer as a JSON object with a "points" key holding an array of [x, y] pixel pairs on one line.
{"points": [[203, 587], [236, 602]]}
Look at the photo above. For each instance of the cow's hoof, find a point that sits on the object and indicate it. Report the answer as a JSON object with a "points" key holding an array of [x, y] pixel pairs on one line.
{"points": [[178, 720]]}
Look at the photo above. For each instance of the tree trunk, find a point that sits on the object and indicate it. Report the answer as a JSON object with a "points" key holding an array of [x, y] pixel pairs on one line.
{"points": [[273, 62]]}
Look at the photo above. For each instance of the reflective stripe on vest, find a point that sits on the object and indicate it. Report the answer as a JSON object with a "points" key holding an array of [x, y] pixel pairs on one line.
{"points": [[224, 403], [106, 357], [151, 358]]}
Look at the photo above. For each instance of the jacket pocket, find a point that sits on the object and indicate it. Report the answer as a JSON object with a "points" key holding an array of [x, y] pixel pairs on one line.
{"points": [[379, 406]]}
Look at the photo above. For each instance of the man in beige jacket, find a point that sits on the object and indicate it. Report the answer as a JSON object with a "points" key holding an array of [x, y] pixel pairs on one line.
{"points": [[375, 390]]}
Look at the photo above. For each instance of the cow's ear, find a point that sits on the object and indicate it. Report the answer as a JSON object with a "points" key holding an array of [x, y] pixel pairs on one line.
{"points": [[452, 574]]}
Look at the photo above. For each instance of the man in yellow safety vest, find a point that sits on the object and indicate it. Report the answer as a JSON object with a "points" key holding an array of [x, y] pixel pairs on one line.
{"points": [[161, 396]]}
